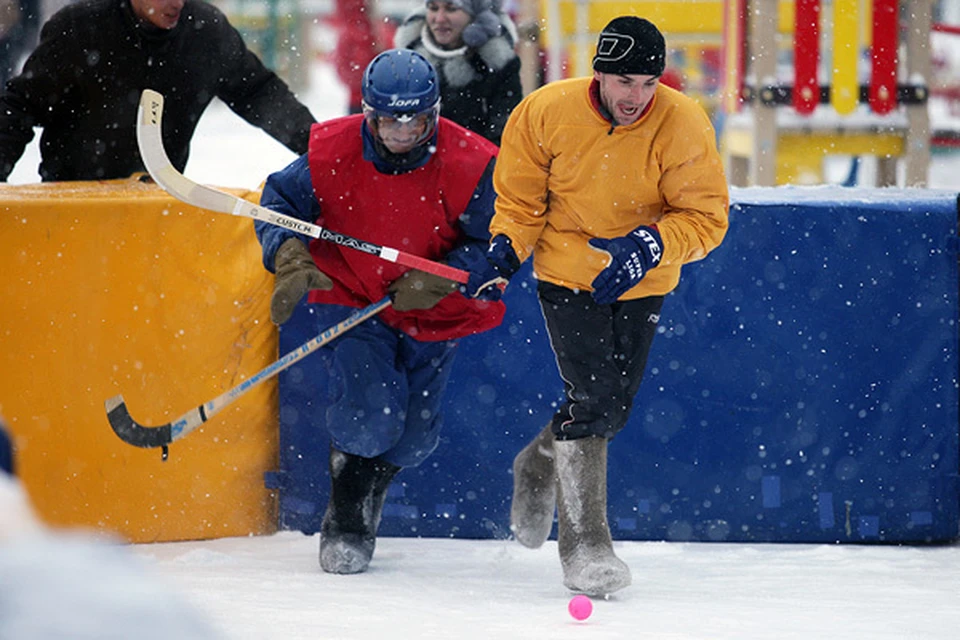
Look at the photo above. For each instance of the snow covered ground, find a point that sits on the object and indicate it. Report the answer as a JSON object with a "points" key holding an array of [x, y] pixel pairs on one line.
{"points": [[55, 586], [272, 587]]}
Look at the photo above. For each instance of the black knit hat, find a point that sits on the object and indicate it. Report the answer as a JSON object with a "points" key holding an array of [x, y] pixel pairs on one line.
{"points": [[630, 46]]}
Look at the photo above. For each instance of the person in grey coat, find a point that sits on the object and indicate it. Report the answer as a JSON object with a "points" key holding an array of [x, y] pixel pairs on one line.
{"points": [[471, 45]]}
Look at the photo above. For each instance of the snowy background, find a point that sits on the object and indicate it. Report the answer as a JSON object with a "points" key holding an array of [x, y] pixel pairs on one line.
{"points": [[272, 587], [227, 151]]}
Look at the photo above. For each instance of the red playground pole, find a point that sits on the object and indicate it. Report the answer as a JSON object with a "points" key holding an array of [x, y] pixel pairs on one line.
{"points": [[806, 56], [883, 57]]}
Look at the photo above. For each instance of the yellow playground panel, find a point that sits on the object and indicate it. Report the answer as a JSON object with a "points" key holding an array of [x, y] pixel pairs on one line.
{"points": [[680, 16], [800, 153]]}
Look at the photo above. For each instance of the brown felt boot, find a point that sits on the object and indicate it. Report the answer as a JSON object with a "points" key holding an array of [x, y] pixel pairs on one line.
{"points": [[348, 533], [534, 491], [586, 549]]}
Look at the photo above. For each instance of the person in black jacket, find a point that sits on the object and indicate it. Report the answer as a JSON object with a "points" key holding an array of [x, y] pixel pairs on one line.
{"points": [[471, 45], [83, 82]]}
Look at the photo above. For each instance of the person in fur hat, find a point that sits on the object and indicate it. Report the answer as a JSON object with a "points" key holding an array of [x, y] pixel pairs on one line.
{"points": [[471, 45]]}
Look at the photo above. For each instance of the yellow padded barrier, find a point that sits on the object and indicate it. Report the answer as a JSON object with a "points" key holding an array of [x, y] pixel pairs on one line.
{"points": [[115, 287]]}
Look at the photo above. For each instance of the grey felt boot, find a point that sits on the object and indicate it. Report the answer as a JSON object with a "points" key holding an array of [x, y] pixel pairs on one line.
{"points": [[586, 549], [348, 533], [534, 491]]}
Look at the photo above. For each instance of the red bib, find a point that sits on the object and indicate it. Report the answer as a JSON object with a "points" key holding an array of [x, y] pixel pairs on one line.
{"points": [[415, 212]]}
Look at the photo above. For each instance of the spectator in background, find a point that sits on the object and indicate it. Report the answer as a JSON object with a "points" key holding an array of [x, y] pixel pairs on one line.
{"points": [[83, 82], [360, 37], [471, 44]]}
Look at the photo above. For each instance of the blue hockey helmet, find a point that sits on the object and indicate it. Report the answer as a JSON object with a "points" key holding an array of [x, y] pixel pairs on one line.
{"points": [[400, 82], [400, 87]]}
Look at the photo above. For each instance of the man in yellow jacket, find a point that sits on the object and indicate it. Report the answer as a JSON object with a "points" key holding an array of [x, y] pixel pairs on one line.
{"points": [[611, 183]]}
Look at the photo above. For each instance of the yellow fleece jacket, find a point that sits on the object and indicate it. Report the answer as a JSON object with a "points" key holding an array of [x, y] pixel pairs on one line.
{"points": [[565, 175]]}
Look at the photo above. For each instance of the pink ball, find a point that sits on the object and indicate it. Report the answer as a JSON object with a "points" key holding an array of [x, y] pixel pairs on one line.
{"points": [[580, 607]]}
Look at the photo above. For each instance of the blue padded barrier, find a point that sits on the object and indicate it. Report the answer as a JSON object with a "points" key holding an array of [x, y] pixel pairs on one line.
{"points": [[803, 387]]}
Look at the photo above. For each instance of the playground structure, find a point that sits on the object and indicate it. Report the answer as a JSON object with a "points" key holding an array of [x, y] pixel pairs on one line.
{"points": [[275, 30], [789, 83], [781, 124]]}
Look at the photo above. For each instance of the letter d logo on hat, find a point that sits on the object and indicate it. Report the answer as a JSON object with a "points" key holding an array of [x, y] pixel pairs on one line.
{"points": [[629, 45], [613, 47]]}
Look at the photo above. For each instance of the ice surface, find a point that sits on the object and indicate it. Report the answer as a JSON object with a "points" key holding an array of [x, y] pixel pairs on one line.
{"points": [[272, 587]]}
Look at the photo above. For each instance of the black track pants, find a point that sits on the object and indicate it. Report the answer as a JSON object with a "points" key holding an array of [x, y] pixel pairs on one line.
{"points": [[601, 351]]}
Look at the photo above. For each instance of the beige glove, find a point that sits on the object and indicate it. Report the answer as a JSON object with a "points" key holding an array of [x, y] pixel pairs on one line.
{"points": [[419, 290], [296, 274]]}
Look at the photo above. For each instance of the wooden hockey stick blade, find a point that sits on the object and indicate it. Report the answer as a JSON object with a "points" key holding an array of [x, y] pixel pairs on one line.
{"points": [[155, 159], [147, 437]]}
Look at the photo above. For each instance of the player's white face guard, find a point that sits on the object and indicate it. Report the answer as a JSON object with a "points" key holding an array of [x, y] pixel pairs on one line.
{"points": [[401, 132]]}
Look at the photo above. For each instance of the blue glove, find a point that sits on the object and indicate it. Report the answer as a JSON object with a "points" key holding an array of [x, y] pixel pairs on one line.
{"points": [[489, 277], [631, 256]]}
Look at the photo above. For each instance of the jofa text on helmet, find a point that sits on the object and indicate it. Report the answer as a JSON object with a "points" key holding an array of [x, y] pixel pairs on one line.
{"points": [[403, 102]]}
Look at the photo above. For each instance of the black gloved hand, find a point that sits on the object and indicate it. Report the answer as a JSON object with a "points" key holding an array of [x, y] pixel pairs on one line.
{"points": [[419, 290], [489, 277], [296, 274], [631, 257]]}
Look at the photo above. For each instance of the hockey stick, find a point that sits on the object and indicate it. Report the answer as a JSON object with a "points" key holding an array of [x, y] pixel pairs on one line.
{"points": [[138, 435], [150, 141]]}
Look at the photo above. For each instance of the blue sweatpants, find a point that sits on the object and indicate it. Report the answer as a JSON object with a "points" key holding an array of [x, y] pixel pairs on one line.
{"points": [[374, 389]]}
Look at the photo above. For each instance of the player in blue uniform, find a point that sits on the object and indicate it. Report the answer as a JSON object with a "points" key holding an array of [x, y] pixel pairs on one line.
{"points": [[398, 175]]}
